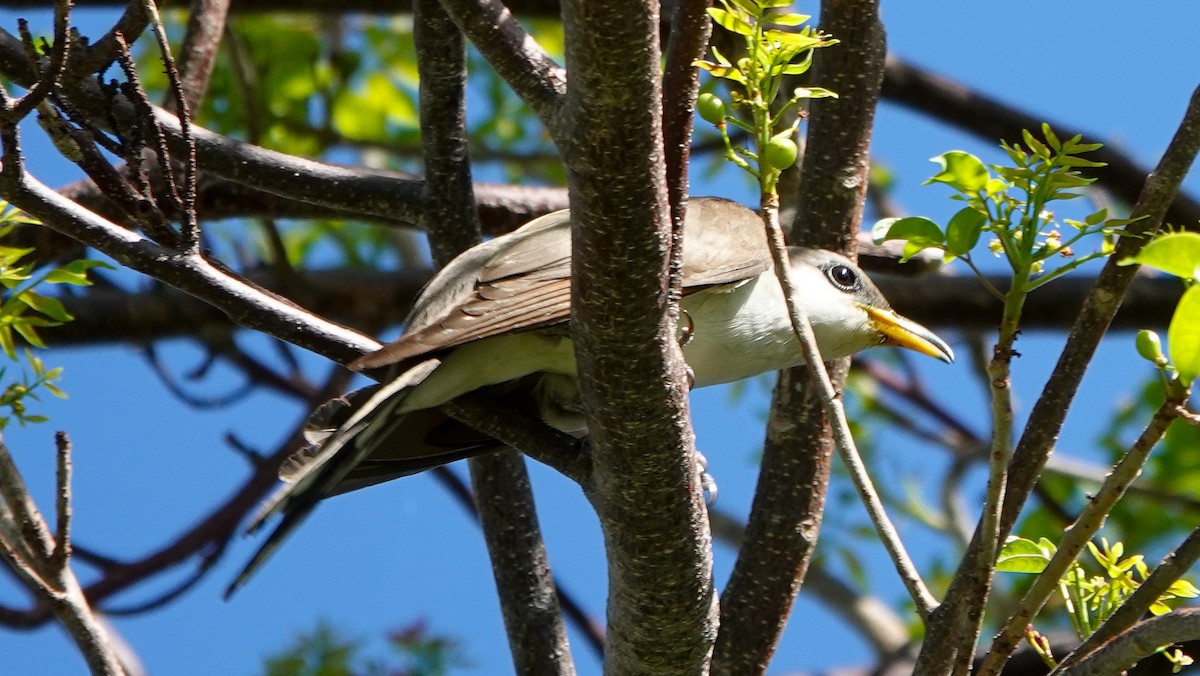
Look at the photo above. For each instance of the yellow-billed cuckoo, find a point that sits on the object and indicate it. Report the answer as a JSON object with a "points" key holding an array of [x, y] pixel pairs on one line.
{"points": [[496, 317]]}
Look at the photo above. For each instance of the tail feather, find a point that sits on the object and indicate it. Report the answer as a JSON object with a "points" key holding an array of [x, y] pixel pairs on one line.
{"points": [[315, 473]]}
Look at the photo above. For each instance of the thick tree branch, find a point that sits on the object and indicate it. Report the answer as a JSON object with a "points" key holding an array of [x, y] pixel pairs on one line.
{"points": [[503, 495], [513, 53], [661, 605], [993, 121]]}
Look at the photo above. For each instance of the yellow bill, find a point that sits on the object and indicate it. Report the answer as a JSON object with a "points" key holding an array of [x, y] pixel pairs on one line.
{"points": [[902, 332]]}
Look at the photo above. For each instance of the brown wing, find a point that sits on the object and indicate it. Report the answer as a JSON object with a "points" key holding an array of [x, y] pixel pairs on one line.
{"points": [[521, 281], [515, 282], [723, 243]]}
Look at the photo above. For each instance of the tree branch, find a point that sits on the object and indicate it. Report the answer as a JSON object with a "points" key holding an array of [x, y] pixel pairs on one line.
{"points": [[1141, 641], [1048, 413], [513, 53], [661, 607], [503, 495]]}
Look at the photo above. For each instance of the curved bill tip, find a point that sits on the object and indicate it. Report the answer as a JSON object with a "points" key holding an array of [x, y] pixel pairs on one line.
{"points": [[906, 333]]}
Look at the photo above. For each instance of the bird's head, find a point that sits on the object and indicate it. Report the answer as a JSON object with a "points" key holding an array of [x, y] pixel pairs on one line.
{"points": [[848, 313]]}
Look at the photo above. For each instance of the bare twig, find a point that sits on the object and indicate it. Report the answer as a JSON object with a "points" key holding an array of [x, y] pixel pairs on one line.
{"points": [[43, 562], [843, 440], [190, 228]]}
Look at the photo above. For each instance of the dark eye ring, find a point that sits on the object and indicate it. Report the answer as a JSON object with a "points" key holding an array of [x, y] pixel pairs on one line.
{"points": [[842, 277]]}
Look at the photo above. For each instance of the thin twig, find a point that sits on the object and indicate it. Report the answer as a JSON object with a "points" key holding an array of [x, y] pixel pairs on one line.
{"points": [[190, 228], [62, 532], [847, 449]]}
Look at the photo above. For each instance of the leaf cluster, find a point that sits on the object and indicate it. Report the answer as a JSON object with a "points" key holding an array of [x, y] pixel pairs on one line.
{"points": [[774, 51], [1012, 203], [23, 311], [325, 651], [1090, 598]]}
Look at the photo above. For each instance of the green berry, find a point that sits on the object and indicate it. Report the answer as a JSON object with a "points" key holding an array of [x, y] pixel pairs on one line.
{"points": [[711, 108], [1149, 346], [780, 153]]}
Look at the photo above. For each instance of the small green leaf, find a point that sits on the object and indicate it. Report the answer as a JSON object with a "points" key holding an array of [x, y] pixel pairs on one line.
{"points": [[961, 170], [1037, 147], [1158, 609], [963, 230], [75, 272], [51, 307], [1183, 336], [730, 21], [29, 334], [1176, 253], [1184, 589], [788, 19], [1051, 138], [1020, 555], [917, 231], [6, 341]]}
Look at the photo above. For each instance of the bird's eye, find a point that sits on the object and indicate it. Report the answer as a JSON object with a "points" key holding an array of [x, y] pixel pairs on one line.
{"points": [[842, 277]]}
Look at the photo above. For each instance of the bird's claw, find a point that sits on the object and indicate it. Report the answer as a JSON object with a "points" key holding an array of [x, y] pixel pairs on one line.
{"points": [[708, 484]]}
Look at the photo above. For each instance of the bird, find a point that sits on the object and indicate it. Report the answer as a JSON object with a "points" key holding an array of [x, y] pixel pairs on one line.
{"points": [[496, 318]]}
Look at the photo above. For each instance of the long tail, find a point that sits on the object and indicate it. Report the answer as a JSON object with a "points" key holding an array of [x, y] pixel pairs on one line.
{"points": [[316, 473]]}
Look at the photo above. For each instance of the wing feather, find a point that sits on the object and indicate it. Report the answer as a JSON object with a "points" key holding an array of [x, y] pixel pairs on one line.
{"points": [[521, 281]]}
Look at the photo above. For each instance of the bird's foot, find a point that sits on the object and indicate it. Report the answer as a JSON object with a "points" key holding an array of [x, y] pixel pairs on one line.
{"points": [[707, 483]]}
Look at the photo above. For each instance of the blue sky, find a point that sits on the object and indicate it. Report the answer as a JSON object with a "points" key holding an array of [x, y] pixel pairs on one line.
{"points": [[382, 558]]}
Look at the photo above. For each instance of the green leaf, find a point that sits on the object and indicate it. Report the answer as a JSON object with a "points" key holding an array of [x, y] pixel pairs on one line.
{"points": [[51, 307], [1176, 253], [962, 232], [28, 333], [917, 229], [788, 19], [1183, 589], [6, 341], [1035, 145], [960, 170], [1020, 555], [1050, 137], [75, 272], [1183, 336], [730, 21]]}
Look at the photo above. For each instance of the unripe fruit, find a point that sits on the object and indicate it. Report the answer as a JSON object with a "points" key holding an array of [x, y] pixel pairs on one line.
{"points": [[711, 108], [1149, 346], [780, 153]]}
